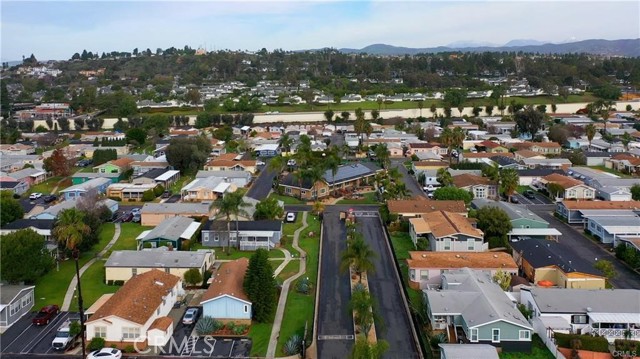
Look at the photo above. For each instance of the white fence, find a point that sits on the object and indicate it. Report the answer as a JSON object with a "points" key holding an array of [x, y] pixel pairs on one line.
{"points": [[544, 334]]}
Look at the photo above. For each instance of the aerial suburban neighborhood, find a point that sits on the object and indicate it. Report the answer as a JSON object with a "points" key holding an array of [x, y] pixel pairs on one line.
{"points": [[321, 204]]}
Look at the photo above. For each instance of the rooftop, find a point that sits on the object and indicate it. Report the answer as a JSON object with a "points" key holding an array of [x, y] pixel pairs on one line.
{"points": [[574, 205], [228, 280], [455, 260], [173, 208], [157, 259], [425, 206], [466, 180], [444, 224], [566, 300], [172, 229], [513, 211], [89, 185], [544, 253]]}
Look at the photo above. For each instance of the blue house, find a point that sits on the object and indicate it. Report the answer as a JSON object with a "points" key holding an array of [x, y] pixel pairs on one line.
{"points": [[99, 185], [53, 211], [268, 150], [225, 299]]}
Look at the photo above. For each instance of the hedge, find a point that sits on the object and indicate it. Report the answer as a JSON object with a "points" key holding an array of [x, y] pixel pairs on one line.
{"points": [[588, 342]]}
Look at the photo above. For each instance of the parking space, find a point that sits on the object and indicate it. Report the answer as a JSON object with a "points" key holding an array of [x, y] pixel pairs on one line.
{"points": [[212, 347], [26, 338], [538, 199]]}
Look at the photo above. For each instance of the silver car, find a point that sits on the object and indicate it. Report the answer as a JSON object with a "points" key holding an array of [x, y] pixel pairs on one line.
{"points": [[190, 316]]}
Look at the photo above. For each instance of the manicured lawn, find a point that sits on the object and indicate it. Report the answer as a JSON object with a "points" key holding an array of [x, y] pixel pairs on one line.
{"points": [[300, 307], [288, 229], [93, 285], [538, 351], [286, 199], [260, 333], [402, 244], [175, 188], [46, 186], [289, 270], [128, 233], [522, 189], [221, 253], [368, 198]]}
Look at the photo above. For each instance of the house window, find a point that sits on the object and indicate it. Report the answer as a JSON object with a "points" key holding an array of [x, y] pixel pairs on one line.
{"points": [[216, 237], [134, 271], [167, 270], [572, 193], [26, 300], [102, 170], [412, 274], [579, 319], [495, 335], [246, 309], [424, 275], [473, 334], [588, 193], [130, 333], [323, 190], [447, 244], [480, 192], [100, 332], [15, 308], [471, 244], [287, 190], [524, 335]]}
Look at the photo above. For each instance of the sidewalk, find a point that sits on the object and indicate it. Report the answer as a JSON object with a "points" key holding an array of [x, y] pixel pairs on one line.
{"points": [[277, 322], [74, 281]]}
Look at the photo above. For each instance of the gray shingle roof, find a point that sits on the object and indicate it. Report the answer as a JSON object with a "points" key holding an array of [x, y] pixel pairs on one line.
{"points": [[513, 211], [566, 300], [157, 259], [170, 229], [8, 292]]}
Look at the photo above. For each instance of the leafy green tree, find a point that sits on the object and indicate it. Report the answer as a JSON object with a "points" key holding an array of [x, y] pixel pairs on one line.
{"points": [[453, 194], [136, 135], [443, 176], [495, 223], [159, 123], [224, 133], [193, 276], [456, 98], [491, 172], [188, 155], [590, 131], [382, 154], [268, 208], [529, 120], [365, 350], [358, 256], [433, 109], [606, 267], [5, 100], [503, 279], [555, 190], [635, 192], [509, 181], [328, 114], [607, 92], [57, 163], [23, 256], [103, 156], [10, 208], [193, 97], [260, 286]]}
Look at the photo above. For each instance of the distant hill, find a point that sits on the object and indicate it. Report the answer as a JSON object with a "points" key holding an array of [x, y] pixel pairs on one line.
{"points": [[627, 48]]}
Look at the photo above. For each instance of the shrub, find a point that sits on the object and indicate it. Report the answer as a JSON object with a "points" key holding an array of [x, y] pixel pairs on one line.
{"points": [[588, 342], [118, 282], [148, 196], [185, 246], [239, 329], [438, 339], [129, 349], [207, 325], [193, 276], [303, 286], [205, 278], [110, 282], [626, 345], [293, 345], [158, 190], [96, 343]]}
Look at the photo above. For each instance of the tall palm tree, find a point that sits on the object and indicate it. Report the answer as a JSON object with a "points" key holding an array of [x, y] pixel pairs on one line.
{"points": [[285, 142], [382, 154], [362, 304], [360, 124], [420, 107], [590, 131], [358, 255], [509, 181], [444, 177], [332, 162], [237, 209], [226, 208], [446, 139], [69, 231]]}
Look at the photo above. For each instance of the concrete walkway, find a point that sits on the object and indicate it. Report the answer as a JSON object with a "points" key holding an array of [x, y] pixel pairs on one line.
{"points": [[277, 322], [74, 281], [287, 259]]}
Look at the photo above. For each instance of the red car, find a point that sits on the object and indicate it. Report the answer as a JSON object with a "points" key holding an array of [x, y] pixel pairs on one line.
{"points": [[46, 314]]}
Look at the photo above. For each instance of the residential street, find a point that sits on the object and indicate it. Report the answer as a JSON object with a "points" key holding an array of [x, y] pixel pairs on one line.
{"points": [[409, 181], [384, 284], [335, 325], [262, 184], [584, 248]]}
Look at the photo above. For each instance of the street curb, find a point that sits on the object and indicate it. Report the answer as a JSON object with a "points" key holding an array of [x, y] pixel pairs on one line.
{"points": [[312, 351]]}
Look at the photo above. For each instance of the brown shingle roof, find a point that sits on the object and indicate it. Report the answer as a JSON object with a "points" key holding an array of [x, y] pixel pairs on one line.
{"points": [[527, 153], [227, 163], [467, 179], [485, 155], [446, 223], [161, 323], [546, 144], [228, 280], [122, 162], [431, 163], [573, 205], [564, 181], [474, 260], [423, 145], [489, 144], [425, 206], [139, 297]]}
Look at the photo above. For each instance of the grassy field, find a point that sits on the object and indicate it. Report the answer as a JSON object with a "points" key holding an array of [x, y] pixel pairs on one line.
{"points": [[522, 189], [368, 198], [289, 270], [300, 307], [260, 333], [93, 285], [286, 199], [538, 351], [181, 182], [46, 186], [235, 254], [402, 244], [128, 233]]}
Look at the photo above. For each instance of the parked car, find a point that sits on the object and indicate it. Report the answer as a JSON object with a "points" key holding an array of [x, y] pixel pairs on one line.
{"points": [[136, 218], [529, 194], [64, 340], [135, 211], [50, 198], [260, 163], [127, 217], [514, 199], [45, 314], [114, 216], [166, 194], [105, 353], [291, 162], [35, 195], [291, 217], [190, 316]]}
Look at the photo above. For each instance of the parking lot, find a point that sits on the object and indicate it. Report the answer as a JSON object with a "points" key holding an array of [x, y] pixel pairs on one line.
{"points": [[26, 338]]}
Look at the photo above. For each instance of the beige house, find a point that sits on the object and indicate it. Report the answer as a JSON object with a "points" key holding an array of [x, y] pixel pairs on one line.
{"points": [[152, 214], [207, 189], [481, 187], [231, 162], [123, 265], [448, 232], [522, 154], [138, 312], [573, 188], [129, 192]]}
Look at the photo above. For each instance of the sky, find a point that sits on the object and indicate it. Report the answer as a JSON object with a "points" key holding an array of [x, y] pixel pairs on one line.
{"points": [[55, 30]]}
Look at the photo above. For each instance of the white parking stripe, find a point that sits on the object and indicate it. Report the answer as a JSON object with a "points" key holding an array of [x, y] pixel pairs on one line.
{"points": [[53, 325], [213, 347], [231, 351]]}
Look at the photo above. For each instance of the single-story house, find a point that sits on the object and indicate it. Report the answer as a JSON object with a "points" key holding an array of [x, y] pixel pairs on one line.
{"points": [[607, 227], [238, 178], [529, 176], [31, 176], [611, 313], [9, 184], [491, 147], [426, 267], [547, 148], [206, 189], [573, 188], [544, 261], [171, 231], [410, 208], [571, 211], [17, 149], [123, 265], [481, 157], [253, 234], [465, 351], [161, 176], [481, 187], [82, 177], [129, 192], [415, 148], [120, 150], [474, 309], [136, 312], [41, 226], [140, 167], [53, 211], [98, 185], [522, 154], [231, 162], [153, 214], [420, 166], [267, 150], [121, 165], [225, 299], [553, 163], [446, 231], [15, 301], [519, 216]]}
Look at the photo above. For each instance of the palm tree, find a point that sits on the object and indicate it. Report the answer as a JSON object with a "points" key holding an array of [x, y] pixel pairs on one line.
{"points": [[226, 208], [590, 131], [360, 124], [625, 139], [237, 201], [420, 106], [362, 304], [509, 181], [358, 255], [382, 154], [446, 139], [444, 177], [394, 174], [457, 137], [332, 163], [285, 142], [433, 109], [69, 231]]}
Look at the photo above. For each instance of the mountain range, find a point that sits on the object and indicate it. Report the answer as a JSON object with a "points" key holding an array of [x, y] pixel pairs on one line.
{"points": [[625, 47]]}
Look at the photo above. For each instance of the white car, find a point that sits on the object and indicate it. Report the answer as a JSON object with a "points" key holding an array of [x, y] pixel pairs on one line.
{"points": [[105, 353], [291, 163], [260, 163], [291, 217], [135, 211], [190, 316], [35, 195]]}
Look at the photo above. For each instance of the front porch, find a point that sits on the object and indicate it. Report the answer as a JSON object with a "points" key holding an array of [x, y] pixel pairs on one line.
{"points": [[614, 325]]}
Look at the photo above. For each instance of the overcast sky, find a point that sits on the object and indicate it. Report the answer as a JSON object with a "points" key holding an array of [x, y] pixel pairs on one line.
{"points": [[56, 30]]}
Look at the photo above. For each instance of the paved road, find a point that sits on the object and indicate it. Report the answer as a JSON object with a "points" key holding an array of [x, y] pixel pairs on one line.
{"points": [[571, 240], [263, 183], [409, 180], [538, 200], [25, 338], [334, 318], [384, 287]]}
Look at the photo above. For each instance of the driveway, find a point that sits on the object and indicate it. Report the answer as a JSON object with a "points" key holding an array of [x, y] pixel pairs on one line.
{"points": [[28, 339], [584, 248], [407, 179], [335, 325], [263, 183], [538, 200], [384, 284]]}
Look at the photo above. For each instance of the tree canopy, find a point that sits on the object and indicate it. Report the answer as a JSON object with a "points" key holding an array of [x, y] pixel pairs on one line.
{"points": [[260, 286], [453, 193], [495, 223], [10, 208], [23, 257], [529, 120], [268, 208], [188, 155]]}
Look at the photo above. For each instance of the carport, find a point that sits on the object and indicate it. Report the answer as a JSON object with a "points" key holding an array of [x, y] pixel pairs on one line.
{"points": [[547, 233]]}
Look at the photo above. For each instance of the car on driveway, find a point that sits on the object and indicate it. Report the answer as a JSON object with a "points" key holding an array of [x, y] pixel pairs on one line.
{"points": [[291, 162], [529, 194], [35, 195], [291, 217], [45, 315], [50, 198], [260, 163], [190, 316], [166, 194], [135, 211], [127, 217], [105, 353], [136, 218]]}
